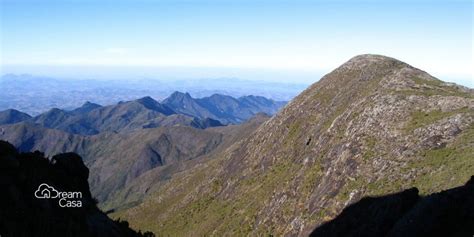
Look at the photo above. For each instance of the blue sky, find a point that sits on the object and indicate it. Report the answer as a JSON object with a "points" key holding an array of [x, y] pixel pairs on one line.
{"points": [[232, 38]]}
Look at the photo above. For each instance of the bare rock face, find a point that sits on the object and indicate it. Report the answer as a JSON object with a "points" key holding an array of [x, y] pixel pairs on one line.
{"points": [[373, 126]]}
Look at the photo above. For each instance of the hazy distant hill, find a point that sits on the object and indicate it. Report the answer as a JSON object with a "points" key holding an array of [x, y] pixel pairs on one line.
{"points": [[226, 109], [373, 126], [12, 116]]}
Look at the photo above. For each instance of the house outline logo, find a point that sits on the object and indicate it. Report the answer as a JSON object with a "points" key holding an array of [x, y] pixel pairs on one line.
{"points": [[64, 199], [46, 191]]}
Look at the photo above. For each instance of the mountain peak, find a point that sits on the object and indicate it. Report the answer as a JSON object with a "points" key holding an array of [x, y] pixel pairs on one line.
{"points": [[12, 116], [55, 111], [366, 74], [85, 108], [146, 99], [148, 102], [88, 104], [178, 96], [371, 62], [152, 104], [371, 58]]}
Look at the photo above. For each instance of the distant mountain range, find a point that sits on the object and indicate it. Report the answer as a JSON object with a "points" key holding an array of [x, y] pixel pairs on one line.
{"points": [[224, 108], [121, 142], [36, 94], [178, 109]]}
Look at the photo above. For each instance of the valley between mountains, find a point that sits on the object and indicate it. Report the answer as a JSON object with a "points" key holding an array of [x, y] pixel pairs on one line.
{"points": [[224, 166], [122, 142]]}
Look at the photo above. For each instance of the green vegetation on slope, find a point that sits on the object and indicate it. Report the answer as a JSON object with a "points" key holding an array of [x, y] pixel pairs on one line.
{"points": [[421, 119], [350, 135]]}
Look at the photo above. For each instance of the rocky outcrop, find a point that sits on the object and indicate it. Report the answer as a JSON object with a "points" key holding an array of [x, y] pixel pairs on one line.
{"points": [[64, 208]]}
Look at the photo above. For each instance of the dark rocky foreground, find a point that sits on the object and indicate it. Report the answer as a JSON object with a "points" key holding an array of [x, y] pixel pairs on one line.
{"points": [[23, 214], [447, 213]]}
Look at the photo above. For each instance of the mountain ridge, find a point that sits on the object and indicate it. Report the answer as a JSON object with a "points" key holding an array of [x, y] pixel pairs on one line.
{"points": [[145, 112], [226, 109], [372, 126]]}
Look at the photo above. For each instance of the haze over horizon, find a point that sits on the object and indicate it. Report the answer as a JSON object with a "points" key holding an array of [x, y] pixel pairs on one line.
{"points": [[291, 41]]}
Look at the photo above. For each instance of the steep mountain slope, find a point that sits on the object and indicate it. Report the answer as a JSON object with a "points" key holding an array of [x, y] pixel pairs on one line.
{"points": [[373, 126], [138, 189], [224, 108], [22, 214], [10, 116]]}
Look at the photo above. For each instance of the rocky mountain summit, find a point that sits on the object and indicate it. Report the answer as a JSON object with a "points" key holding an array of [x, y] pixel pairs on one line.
{"points": [[373, 126]]}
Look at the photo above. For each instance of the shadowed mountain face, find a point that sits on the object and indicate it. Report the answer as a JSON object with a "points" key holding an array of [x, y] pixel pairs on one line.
{"points": [[23, 214], [447, 213], [373, 126]]}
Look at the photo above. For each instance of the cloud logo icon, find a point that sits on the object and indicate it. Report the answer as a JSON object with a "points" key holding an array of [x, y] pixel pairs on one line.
{"points": [[46, 191]]}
